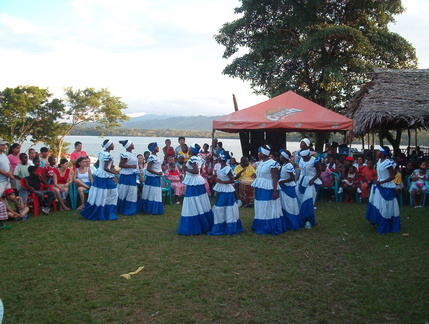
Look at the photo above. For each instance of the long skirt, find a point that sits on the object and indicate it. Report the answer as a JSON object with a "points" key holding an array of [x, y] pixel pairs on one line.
{"points": [[268, 213], [383, 210], [290, 208], [306, 194], [197, 215], [151, 202], [102, 200], [127, 194], [226, 217]]}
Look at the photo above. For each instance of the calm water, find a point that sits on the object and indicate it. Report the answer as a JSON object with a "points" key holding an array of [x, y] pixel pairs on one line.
{"points": [[92, 144]]}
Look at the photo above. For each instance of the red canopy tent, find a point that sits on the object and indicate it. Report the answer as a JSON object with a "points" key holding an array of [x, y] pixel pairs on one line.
{"points": [[269, 121]]}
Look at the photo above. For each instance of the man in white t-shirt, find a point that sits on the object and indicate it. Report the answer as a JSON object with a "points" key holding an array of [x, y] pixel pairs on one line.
{"points": [[5, 168]]}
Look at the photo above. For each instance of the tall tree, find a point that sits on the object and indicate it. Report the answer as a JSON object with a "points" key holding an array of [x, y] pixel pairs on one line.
{"points": [[91, 105], [321, 49], [28, 112]]}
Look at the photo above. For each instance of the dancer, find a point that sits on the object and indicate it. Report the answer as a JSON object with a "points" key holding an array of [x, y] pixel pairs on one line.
{"points": [[288, 198], [127, 185], [151, 202], [225, 211], [103, 195], [197, 216], [306, 189], [383, 208], [268, 208]]}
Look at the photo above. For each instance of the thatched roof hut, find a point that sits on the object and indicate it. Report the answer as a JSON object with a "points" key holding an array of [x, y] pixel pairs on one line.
{"points": [[393, 99]]}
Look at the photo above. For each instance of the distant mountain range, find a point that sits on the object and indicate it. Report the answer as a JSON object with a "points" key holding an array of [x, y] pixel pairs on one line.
{"points": [[152, 121]]}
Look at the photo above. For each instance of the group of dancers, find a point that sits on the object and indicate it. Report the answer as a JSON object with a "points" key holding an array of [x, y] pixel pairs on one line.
{"points": [[281, 202]]}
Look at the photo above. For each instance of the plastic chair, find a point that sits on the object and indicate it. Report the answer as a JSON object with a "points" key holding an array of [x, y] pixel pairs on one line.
{"points": [[167, 191], [335, 188], [32, 198], [74, 195]]}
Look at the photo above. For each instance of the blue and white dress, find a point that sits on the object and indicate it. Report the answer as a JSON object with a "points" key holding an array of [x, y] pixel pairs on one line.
{"points": [[197, 215], [305, 192], [103, 195], [225, 211], [268, 212], [289, 200], [127, 186], [151, 202], [383, 208]]}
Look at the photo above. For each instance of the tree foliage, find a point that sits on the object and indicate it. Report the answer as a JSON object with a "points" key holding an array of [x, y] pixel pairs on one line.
{"points": [[29, 112], [321, 49]]}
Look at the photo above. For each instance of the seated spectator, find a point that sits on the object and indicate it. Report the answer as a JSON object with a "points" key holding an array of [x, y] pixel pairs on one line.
{"points": [[369, 176], [245, 174], [326, 176], [398, 180], [180, 163], [207, 174], [39, 169], [418, 178], [175, 178], [44, 152], [31, 155], [21, 171], [185, 152], [233, 163], [349, 184], [77, 153], [63, 176], [332, 164], [82, 177], [168, 150], [205, 151], [3, 215], [49, 169], [407, 172], [34, 182], [16, 209]]}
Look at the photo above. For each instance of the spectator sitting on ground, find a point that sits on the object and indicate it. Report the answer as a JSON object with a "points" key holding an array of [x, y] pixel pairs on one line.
{"points": [[16, 210]]}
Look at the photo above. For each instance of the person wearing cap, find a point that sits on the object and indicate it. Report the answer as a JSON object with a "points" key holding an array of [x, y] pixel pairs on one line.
{"points": [[288, 198], [197, 215], [103, 195], [307, 186], [16, 209], [127, 184], [151, 201], [383, 209], [225, 210], [268, 208], [5, 168]]}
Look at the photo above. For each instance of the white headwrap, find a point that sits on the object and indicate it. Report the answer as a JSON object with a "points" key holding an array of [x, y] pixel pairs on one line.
{"points": [[382, 150], [285, 155], [128, 144], [109, 142], [304, 153], [264, 151], [306, 141]]}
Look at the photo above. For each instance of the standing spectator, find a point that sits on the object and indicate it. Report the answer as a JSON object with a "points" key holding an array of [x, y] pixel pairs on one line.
{"points": [[103, 195], [13, 156], [127, 185], [178, 148], [268, 208], [168, 150], [21, 172], [369, 176], [31, 155], [288, 198], [77, 153], [151, 202], [225, 211], [383, 208], [197, 215], [44, 154], [6, 174]]}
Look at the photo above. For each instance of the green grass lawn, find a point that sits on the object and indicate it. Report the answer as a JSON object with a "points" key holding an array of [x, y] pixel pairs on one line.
{"points": [[62, 268]]}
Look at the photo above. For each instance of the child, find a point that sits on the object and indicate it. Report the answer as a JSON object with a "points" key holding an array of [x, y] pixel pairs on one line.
{"points": [[3, 215], [398, 180], [21, 171], [15, 206], [349, 183], [175, 178], [34, 182], [418, 179], [49, 169], [327, 177]]}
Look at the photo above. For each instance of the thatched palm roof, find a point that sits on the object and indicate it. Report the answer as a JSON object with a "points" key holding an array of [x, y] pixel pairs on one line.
{"points": [[392, 99]]}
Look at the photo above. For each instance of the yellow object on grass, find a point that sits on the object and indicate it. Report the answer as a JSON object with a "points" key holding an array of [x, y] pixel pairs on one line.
{"points": [[128, 275]]}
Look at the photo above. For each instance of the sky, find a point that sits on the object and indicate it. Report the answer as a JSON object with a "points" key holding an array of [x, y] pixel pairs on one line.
{"points": [[159, 56]]}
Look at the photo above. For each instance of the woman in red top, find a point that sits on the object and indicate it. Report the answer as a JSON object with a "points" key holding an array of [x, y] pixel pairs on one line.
{"points": [[168, 150], [369, 175], [63, 176]]}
